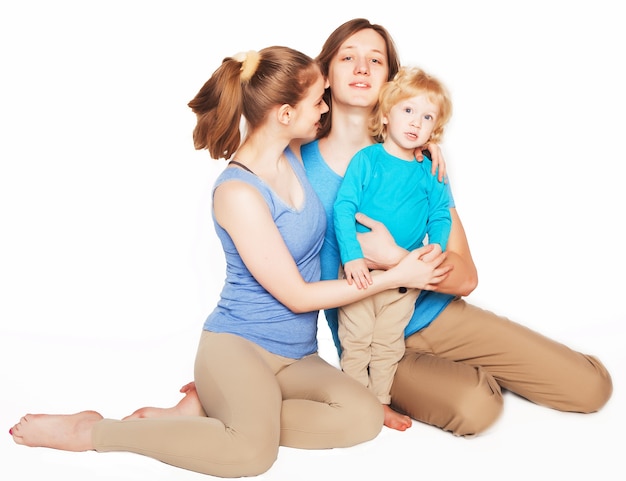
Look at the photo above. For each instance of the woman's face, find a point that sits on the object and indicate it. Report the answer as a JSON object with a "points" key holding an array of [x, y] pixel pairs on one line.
{"points": [[359, 70], [309, 110]]}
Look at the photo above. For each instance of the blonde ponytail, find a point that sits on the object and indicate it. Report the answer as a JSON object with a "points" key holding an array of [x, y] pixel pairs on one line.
{"points": [[249, 63]]}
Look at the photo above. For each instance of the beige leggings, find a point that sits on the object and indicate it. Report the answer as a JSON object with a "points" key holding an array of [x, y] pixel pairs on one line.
{"points": [[255, 401], [453, 370]]}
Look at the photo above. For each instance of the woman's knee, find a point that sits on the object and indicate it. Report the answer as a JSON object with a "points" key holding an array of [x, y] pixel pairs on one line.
{"points": [[370, 420], [362, 419], [254, 459]]}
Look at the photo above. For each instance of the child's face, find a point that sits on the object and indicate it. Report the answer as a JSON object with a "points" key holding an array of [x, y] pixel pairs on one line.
{"points": [[410, 124]]}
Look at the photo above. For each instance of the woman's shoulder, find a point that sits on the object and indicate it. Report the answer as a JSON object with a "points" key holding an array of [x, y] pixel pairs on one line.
{"points": [[238, 181]]}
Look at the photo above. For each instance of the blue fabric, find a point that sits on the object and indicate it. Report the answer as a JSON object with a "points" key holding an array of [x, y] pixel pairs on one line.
{"points": [[326, 183], [245, 308], [401, 194]]}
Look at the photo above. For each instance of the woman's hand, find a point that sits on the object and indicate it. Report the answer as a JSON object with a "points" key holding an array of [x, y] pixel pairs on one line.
{"points": [[435, 156], [423, 268]]}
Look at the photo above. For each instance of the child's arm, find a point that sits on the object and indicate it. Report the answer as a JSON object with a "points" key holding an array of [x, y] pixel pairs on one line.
{"points": [[346, 205]]}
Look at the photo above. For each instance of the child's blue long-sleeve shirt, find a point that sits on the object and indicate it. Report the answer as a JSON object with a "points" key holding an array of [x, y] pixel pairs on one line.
{"points": [[401, 194]]}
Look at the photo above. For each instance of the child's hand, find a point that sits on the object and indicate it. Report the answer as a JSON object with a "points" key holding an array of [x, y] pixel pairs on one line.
{"points": [[356, 271]]}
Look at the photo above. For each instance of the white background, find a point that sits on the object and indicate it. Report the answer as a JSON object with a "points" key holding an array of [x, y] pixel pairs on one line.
{"points": [[108, 260]]}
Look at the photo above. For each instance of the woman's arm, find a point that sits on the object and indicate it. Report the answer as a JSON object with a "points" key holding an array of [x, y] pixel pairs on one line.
{"points": [[382, 252], [242, 212]]}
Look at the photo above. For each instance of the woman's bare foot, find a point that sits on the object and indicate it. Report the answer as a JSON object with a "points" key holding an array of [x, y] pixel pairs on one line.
{"points": [[187, 406], [68, 432], [395, 420]]}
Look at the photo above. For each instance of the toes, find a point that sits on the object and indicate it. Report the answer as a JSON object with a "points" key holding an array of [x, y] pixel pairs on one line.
{"points": [[15, 433], [26, 418]]}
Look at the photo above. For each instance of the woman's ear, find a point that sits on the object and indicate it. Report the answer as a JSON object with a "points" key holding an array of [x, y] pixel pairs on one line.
{"points": [[284, 114]]}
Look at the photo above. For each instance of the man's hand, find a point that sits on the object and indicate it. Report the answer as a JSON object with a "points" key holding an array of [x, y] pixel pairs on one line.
{"points": [[434, 153], [379, 248]]}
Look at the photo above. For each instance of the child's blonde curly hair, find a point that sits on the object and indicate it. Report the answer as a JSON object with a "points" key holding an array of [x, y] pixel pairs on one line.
{"points": [[411, 82]]}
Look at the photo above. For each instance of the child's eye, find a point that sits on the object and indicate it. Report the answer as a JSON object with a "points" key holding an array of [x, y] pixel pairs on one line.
{"points": [[428, 117]]}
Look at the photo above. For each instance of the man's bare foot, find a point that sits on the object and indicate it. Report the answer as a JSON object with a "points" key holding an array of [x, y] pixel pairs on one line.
{"points": [[187, 406], [68, 432], [395, 420]]}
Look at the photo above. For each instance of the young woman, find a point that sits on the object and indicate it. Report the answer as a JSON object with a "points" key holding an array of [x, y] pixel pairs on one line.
{"points": [[260, 382]]}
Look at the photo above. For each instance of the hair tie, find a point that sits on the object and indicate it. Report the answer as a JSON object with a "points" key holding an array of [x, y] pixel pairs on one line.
{"points": [[249, 63]]}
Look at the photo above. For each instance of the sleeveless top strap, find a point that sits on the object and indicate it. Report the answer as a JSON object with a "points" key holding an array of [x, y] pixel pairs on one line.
{"points": [[241, 165]]}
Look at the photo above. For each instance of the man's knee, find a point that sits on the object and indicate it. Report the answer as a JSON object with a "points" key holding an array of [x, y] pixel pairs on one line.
{"points": [[593, 389], [464, 405], [475, 410]]}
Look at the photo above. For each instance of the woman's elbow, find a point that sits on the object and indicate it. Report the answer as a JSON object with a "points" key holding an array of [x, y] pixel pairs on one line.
{"points": [[297, 309], [297, 304]]}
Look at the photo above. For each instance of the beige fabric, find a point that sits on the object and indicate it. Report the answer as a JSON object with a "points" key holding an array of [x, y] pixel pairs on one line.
{"points": [[254, 401], [371, 332], [453, 371]]}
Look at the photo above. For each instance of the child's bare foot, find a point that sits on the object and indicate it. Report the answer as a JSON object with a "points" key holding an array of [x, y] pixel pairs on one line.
{"points": [[395, 420], [68, 432], [187, 406]]}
